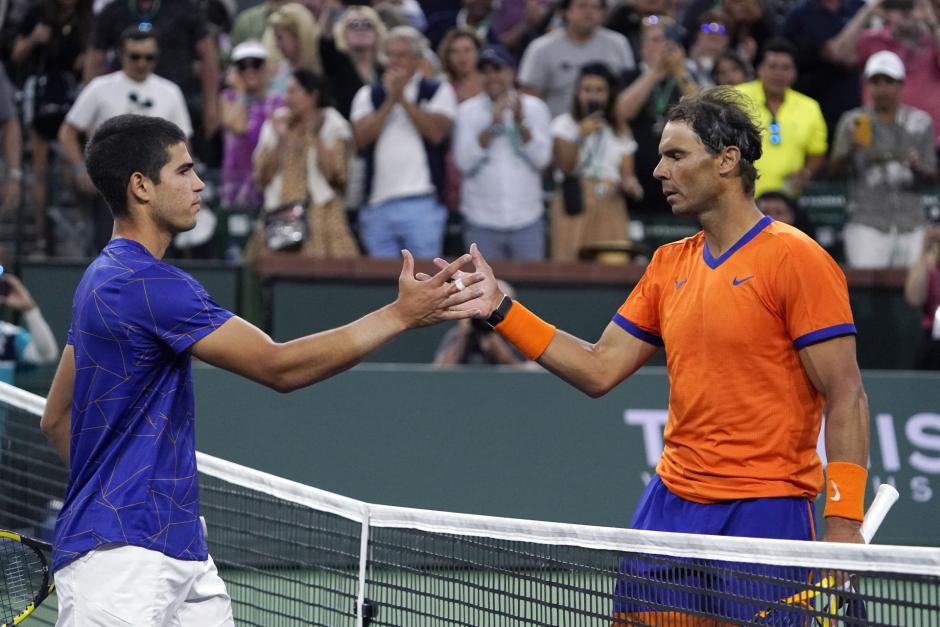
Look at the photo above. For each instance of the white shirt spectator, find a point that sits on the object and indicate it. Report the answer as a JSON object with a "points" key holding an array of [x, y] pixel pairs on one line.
{"points": [[116, 94], [335, 128], [401, 164], [502, 184], [551, 63], [600, 154]]}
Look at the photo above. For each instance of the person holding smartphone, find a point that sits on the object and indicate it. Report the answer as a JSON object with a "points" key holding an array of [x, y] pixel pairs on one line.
{"points": [[32, 344], [595, 154]]}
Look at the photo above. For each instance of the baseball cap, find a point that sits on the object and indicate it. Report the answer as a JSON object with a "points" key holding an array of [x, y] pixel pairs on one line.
{"points": [[885, 63], [249, 50], [495, 56]]}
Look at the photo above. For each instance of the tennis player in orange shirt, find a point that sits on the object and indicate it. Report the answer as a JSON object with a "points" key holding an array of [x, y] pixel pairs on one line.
{"points": [[755, 320]]}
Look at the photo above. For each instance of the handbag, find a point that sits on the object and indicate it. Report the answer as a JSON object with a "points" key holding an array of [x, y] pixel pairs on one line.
{"points": [[285, 227], [50, 93], [571, 195]]}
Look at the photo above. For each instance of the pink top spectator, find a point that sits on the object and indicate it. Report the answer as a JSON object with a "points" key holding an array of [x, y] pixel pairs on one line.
{"points": [[238, 186], [921, 65]]}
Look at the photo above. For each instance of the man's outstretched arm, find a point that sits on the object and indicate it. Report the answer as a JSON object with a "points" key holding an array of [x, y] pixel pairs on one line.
{"points": [[594, 368], [242, 348]]}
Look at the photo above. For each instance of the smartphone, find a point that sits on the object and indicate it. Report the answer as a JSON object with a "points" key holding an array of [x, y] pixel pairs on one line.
{"points": [[594, 106]]}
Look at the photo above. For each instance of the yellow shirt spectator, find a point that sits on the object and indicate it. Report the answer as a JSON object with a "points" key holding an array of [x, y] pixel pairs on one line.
{"points": [[798, 131]]}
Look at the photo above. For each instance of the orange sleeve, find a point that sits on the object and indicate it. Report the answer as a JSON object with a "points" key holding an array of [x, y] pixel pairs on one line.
{"points": [[639, 314], [814, 295]]}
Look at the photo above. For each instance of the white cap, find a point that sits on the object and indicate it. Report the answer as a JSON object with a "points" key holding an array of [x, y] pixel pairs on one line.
{"points": [[885, 63], [250, 49]]}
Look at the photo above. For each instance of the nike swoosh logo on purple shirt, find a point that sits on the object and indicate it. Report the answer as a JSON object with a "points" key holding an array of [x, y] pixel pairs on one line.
{"points": [[735, 280]]}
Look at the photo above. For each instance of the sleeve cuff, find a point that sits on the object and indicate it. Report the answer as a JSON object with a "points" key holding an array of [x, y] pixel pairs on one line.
{"points": [[637, 332], [821, 335]]}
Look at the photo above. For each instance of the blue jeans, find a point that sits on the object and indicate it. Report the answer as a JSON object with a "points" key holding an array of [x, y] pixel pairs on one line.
{"points": [[526, 243], [415, 223]]}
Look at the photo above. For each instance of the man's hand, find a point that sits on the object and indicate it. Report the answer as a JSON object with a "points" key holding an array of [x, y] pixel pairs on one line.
{"points": [[19, 297], [395, 82], [843, 530], [489, 293], [423, 300]]}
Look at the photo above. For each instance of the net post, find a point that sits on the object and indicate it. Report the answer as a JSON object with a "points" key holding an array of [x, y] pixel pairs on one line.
{"points": [[363, 561]]}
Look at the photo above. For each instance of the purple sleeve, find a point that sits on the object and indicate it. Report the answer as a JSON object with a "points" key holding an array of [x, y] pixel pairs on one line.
{"points": [[172, 307]]}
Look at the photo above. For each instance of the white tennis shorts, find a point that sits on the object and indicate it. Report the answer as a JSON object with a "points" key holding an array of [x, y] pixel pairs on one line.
{"points": [[129, 585]]}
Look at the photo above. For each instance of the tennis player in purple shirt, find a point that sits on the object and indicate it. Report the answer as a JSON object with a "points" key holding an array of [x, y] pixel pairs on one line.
{"points": [[129, 547]]}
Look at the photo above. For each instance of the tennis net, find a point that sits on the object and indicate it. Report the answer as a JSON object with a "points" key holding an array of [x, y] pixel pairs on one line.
{"points": [[295, 555]]}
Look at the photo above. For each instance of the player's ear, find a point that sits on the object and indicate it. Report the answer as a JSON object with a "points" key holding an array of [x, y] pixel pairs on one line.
{"points": [[728, 160], [140, 188]]}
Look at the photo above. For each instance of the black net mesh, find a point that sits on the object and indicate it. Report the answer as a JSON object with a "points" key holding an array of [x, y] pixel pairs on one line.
{"points": [[290, 564]]}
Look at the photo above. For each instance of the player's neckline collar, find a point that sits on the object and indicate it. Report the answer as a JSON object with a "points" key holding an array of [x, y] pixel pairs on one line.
{"points": [[713, 262], [123, 241]]}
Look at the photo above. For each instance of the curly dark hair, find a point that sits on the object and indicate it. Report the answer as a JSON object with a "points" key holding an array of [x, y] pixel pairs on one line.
{"points": [[721, 117]]}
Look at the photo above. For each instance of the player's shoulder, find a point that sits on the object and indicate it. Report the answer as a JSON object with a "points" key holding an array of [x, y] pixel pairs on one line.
{"points": [[788, 241], [668, 255], [680, 248]]}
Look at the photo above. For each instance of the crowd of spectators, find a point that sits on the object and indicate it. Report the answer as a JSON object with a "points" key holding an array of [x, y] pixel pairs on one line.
{"points": [[529, 126]]}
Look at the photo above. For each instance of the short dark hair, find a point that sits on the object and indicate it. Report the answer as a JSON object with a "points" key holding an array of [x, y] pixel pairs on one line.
{"points": [[312, 82], [564, 5], [778, 45], [126, 144], [785, 198], [136, 33], [721, 117], [602, 71]]}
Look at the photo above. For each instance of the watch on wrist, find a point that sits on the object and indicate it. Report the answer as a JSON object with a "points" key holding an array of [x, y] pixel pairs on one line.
{"points": [[499, 314]]}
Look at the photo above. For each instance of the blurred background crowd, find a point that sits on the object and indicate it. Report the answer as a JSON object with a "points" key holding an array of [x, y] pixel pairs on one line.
{"points": [[331, 129]]}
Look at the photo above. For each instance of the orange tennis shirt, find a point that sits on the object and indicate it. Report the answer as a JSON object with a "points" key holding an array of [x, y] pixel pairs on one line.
{"points": [[744, 417]]}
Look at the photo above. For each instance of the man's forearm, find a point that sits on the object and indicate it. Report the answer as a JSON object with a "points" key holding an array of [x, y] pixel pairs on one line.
{"points": [[427, 124], [316, 357], [59, 437], [847, 425], [12, 144], [367, 130]]}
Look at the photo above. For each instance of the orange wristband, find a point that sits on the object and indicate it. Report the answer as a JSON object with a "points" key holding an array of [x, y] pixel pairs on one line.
{"points": [[529, 333], [845, 496]]}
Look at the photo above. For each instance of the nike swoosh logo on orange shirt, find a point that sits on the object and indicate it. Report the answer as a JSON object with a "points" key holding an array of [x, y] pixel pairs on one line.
{"points": [[735, 280]]}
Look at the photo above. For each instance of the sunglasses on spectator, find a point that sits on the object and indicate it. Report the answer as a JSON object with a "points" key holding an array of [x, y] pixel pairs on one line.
{"points": [[136, 56], [249, 64], [775, 137], [360, 25], [713, 28]]}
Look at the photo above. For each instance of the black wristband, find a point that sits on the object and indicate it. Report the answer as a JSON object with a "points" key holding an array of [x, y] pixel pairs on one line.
{"points": [[499, 314]]}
